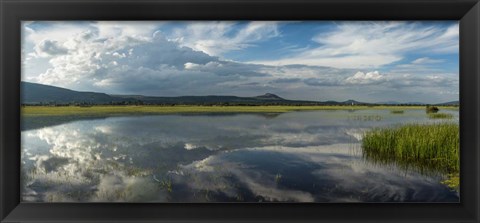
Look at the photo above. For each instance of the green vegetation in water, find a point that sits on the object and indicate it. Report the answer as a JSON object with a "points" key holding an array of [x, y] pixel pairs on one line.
{"points": [[278, 177], [397, 111], [100, 110], [440, 116], [425, 147], [165, 183], [453, 181]]}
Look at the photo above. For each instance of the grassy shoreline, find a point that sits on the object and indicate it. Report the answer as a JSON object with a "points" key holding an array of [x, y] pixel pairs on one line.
{"points": [[154, 109]]}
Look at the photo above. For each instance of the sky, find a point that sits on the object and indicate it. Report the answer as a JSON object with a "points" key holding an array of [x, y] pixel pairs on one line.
{"points": [[369, 61]]}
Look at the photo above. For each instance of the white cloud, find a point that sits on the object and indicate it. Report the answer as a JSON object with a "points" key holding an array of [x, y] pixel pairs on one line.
{"points": [[190, 66], [48, 48], [365, 78], [190, 146], [220, 37], [128, 60], [137, 58], [373, 44], [426, 60]]}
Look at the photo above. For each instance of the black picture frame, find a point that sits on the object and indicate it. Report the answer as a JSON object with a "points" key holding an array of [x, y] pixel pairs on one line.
{"points": [[12, 12]]}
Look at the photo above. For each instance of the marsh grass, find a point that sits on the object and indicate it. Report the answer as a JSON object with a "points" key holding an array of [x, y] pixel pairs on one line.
{"points": [[440, 116], [103, 110], [425, 147], [453, 181]]}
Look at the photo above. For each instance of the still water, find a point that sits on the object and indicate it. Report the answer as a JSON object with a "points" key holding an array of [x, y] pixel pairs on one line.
{"points": [[308, 156]]}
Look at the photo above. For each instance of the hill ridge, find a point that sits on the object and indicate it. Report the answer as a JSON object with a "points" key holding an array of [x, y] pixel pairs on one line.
{"points": [[34, 93]]}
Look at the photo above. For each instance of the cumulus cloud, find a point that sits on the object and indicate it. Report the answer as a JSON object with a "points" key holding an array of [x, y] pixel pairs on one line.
{"points": [[144, 58], [47, 48], [120, 62], [365, 78], [98, 60]]}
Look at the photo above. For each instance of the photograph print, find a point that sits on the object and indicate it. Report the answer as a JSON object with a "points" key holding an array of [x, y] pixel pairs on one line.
{"points": [[240, 111]]}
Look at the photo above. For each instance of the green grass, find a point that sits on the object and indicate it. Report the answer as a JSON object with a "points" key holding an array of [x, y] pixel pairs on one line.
{"points": [[120, 110], [453, 181], [426, 147], [397, 111], [440, 116]]}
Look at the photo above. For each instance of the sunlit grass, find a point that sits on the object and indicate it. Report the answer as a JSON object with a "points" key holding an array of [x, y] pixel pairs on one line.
{"points": [[453, 181], [440, 116], [132, 109]]}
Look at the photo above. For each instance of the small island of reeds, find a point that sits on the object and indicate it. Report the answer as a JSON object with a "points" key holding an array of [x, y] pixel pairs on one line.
{"points": [[440, 116]]}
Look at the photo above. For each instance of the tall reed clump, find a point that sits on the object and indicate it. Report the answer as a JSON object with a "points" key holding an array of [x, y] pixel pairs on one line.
{"points": [[426, 147]]}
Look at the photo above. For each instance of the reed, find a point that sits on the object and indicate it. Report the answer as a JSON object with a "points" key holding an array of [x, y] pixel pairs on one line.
{"points": [[426, 147], [440, 116]]}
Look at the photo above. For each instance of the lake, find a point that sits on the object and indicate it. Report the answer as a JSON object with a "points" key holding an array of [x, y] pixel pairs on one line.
{"points": [[305, 156]]}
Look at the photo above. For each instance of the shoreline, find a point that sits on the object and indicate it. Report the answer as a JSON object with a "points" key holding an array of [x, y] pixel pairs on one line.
{"points": [[156, 109]]}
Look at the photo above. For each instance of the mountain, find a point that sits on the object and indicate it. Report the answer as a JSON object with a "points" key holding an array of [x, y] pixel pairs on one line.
{"points": [[33, 93], [450, 103], [353, 102], [347, 102], [38, 93], [269, 96], [266, 99], [388, 102]]}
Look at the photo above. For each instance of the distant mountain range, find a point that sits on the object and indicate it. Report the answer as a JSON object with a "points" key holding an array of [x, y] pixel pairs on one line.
{"points": [[33, 93], [450, 103], [397, 103]]}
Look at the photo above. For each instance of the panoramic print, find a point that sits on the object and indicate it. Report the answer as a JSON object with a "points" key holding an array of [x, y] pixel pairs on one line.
{"points": [[240, 111]]}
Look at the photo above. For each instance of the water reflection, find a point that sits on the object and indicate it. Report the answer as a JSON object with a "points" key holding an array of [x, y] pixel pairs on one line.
{"points": [[298, 157]]}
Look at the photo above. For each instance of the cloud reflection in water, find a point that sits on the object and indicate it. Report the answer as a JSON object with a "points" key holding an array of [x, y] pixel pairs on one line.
{"points": [[297, 157]]}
